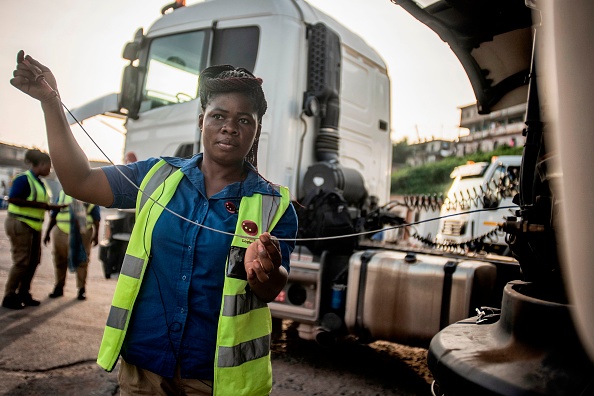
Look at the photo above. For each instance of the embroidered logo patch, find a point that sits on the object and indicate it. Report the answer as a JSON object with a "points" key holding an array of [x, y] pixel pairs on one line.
{"points": [[249, 227]]}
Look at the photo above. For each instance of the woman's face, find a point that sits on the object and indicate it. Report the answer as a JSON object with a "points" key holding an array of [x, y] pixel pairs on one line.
{"points": [[42, 168], [229, 126]]}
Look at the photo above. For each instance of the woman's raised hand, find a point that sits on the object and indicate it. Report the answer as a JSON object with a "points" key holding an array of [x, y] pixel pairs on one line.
{"points": [[33, 78]]}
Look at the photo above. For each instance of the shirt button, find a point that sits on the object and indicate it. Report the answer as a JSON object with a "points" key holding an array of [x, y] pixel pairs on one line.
{"points": [[184, 277], [182, 310], [189, 247]]}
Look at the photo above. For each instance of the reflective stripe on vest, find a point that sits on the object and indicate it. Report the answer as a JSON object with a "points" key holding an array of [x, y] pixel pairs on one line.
{"points": [[160, 184], [63, 216], [33, 217], [242, 361]]}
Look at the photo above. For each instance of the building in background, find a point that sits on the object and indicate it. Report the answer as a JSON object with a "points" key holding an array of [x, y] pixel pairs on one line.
{"points": [[485, 133], [428, 151], [489, 131], [12, 162]]}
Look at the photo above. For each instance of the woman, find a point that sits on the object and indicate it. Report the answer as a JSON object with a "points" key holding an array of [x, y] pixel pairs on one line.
{"points": [[199, 324], [27, 202]]}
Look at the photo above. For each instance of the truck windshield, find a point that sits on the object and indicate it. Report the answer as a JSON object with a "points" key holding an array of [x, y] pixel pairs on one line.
{"points": [[173, 65], [467, 183], [174, 62], [470, 170], [462, 187]]}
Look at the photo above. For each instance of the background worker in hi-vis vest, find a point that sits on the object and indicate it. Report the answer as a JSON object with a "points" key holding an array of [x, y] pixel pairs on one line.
{"points": [[28, 201], [189, 314], [72, 250]]}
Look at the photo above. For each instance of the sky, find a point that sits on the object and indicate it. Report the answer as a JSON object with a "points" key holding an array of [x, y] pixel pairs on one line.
{"points": [[81, 41]]}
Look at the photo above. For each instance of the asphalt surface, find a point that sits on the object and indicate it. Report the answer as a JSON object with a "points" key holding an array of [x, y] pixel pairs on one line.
{"points": [[51, 349]]}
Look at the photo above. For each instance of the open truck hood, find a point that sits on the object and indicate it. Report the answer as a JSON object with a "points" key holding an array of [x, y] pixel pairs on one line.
{"points": [[104, 105], [491, 38]]}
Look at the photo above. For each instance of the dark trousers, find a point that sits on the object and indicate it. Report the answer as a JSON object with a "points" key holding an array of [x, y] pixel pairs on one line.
{"points": [[26, 254]]}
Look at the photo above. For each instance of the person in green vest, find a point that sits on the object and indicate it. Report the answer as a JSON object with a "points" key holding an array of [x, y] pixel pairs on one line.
{"points": [[210, 247], [28, 201], [65, 246]]}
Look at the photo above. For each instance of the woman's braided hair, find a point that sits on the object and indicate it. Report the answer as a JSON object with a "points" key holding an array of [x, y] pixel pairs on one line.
{"points": [[221, 79]]}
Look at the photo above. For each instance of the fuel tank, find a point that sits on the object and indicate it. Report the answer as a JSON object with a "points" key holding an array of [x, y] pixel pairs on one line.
{"points": [[408, 297]]}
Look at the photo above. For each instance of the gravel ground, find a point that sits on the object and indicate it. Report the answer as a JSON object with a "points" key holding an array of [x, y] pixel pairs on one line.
{"points": [[303, 367]]}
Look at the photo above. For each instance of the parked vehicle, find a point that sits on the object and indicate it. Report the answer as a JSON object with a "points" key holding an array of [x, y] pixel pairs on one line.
{"points": [[475, 186], [326, 136]]}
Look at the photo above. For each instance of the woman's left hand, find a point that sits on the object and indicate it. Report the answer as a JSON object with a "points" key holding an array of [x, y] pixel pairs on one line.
{"points": [[262, 258]]}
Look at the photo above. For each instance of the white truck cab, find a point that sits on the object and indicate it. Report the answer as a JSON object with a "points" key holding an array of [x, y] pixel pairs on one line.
{"points": [[476, 186], [328, 91]]}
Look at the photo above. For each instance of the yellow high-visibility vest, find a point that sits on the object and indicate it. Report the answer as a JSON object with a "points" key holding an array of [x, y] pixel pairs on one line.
{"points": [[33, 217], [63, 216]]}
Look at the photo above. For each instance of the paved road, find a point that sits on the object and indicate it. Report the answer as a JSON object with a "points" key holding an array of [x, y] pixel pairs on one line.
{"points": [[51, 349]]}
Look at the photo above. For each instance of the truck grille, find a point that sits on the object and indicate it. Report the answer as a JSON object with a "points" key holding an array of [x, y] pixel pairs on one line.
{"points": [[453, 227]]}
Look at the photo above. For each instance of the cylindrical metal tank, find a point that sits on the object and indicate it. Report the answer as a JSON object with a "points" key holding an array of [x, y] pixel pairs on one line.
{"points": [[409, 298]]}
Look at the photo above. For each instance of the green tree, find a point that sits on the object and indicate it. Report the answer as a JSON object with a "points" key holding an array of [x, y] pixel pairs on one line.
{"points": [[400, 151]]}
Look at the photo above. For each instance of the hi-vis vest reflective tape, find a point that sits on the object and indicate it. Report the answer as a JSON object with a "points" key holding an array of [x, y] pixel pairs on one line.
{"points": [[233, 335], [33, 217], [63, 216], [136, 258], [242, 359]]}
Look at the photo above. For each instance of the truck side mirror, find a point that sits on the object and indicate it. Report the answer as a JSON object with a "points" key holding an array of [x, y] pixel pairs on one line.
{"points": [[129, 98], [132, 49]]}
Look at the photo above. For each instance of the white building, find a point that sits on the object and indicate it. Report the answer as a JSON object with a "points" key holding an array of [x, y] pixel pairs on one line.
{"points": [[428, 151], [489, 131]]}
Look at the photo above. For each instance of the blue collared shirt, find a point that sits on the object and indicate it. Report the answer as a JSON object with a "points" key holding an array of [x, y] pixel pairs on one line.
{"points": [[176, 313]]}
